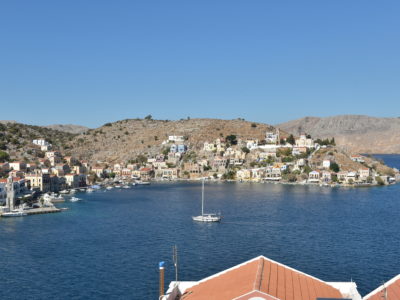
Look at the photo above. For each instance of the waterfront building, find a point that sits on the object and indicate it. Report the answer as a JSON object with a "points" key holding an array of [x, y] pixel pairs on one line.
{"points": [[39, 180], [326, 176], [146, 173], [263, 279], [72, 180], [193, 169], [364, 173], [273, 174], [170, 173], [313, 177], [99, 171], [243, 174]]}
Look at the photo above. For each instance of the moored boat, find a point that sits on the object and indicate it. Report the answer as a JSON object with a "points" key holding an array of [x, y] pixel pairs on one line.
{"points": [[206, 217]]}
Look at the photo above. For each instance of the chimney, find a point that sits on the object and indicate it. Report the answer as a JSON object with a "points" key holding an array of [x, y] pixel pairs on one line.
{"points": [[161, 267]]}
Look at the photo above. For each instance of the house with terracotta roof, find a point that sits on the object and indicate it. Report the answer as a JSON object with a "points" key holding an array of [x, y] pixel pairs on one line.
{"points": [[263, 279], [387, 291]]}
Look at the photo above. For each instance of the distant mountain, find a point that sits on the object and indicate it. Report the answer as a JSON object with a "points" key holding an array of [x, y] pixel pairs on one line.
{"points": [[76, 129], [362, 134]]}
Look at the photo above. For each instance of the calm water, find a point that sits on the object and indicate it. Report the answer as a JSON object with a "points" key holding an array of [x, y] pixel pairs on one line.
{"points": [[109, 245]]}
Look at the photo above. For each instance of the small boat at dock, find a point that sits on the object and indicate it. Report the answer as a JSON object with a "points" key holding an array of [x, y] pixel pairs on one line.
{"points": [[75, 199]]}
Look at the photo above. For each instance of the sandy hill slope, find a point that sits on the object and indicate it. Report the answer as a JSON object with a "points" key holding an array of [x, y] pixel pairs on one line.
{"points": [[68, 128], [356, 133], [126, 139]]}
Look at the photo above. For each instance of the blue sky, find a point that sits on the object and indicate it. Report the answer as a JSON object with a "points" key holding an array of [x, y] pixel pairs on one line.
{"points": [[91, 62]]}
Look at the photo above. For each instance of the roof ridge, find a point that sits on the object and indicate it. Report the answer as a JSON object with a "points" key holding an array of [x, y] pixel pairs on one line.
{"points": [[258, 279], [382, 286]]}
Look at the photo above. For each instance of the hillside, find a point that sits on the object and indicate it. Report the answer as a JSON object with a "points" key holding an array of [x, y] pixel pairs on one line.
{"points": [[355, 133], [126, 139], [16, 140], [70, 128]]}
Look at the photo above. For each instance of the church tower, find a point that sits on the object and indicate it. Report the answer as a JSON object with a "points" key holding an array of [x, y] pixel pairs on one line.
{"points": [[10, 193]]}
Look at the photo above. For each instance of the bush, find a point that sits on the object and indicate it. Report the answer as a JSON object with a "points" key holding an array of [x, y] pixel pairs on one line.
{"points": [[253, 125], [4, 156]]}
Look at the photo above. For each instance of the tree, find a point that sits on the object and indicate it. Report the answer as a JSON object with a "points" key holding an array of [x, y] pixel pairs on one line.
{"points": [[149, 117], [166, 151], [291, 139], [253, 125], [334, 167], [379, 180], [4, 156], [246, 150], [231, 139]]}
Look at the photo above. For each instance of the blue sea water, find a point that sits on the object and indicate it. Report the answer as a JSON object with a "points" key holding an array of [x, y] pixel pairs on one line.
{"points": [[108, 246]]}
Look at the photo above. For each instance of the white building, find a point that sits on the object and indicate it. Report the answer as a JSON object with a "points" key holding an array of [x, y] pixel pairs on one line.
{"points": [[176, 138], [313, 177], [41, 142], [304, 141], [326, 164], [271, 137]]}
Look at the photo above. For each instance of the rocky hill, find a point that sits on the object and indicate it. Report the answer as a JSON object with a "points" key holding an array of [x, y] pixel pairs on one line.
{"points": [[16, 140], [126, 139], [355, 133], [70, 128]]}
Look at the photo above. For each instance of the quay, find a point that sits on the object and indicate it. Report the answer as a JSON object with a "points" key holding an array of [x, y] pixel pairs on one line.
{"points": [[40, 210]]}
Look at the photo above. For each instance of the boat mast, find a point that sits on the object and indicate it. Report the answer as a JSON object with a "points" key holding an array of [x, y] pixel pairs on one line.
{"points": [[202, 199]]}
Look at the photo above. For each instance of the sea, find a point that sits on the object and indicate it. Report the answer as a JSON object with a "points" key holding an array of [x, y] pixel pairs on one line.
{"points": [[108, 245]]}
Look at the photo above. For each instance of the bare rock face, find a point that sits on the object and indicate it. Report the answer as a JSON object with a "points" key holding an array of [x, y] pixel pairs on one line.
{"points": [[355, 133]]}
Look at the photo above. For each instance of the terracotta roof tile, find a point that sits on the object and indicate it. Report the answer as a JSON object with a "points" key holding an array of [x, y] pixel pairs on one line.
{"points": [[261, 275]]}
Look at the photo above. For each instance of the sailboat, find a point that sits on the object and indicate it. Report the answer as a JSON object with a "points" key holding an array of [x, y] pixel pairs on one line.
{"points": [[206, 217]]}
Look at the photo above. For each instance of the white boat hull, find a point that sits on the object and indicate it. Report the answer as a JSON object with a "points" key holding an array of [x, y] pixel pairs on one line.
{"points": [[207, 218]]}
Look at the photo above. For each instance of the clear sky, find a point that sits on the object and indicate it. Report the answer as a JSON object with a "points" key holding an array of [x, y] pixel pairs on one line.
{"points": [[91, 62]]}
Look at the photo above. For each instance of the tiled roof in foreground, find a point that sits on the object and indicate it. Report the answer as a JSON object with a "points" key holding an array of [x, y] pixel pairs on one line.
{"points": [[390, 289], [264, 278]]}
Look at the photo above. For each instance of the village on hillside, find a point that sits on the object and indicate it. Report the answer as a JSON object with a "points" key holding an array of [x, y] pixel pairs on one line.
{"points": [[300, 160]]}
